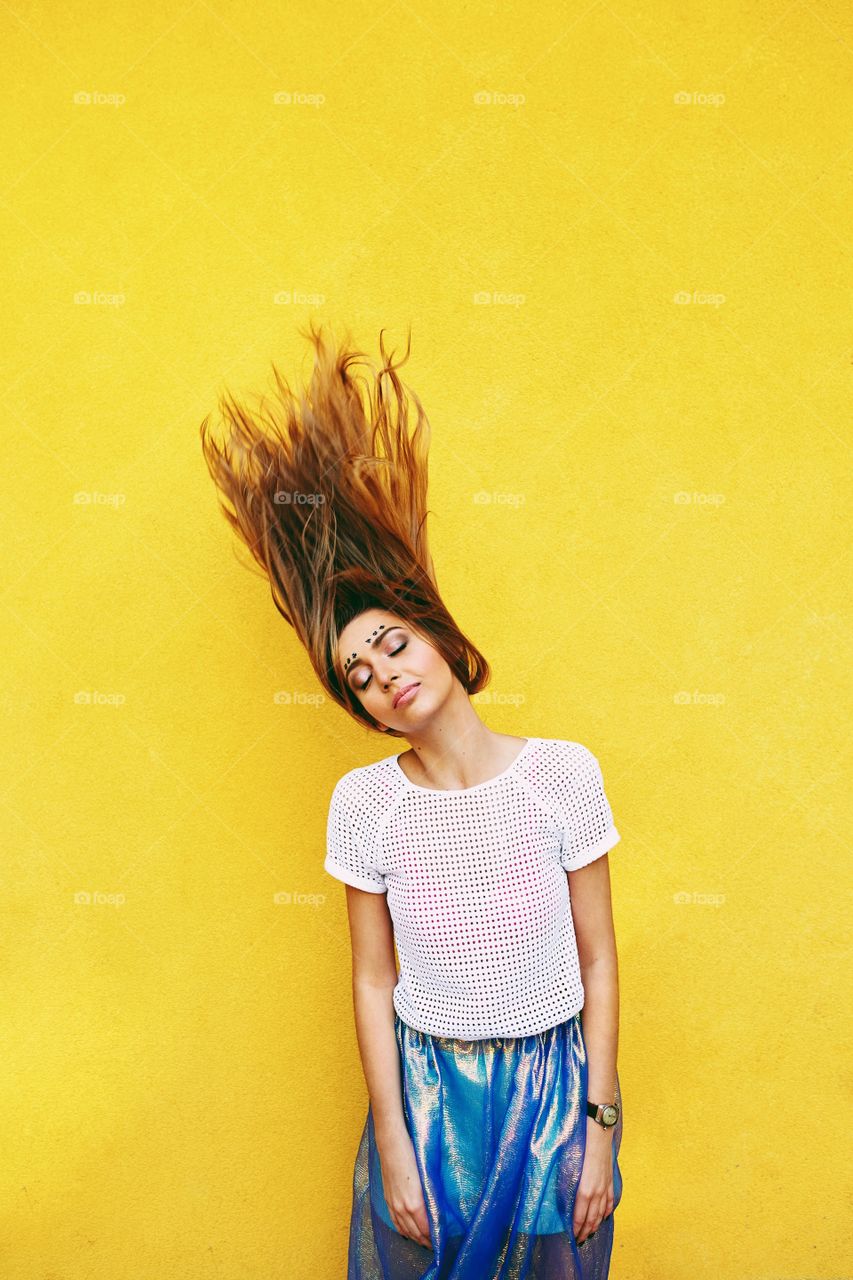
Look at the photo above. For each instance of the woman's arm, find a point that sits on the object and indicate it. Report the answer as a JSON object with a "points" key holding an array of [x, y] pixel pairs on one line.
{"points": [[589, 889], [374, 976], [592, 913]]}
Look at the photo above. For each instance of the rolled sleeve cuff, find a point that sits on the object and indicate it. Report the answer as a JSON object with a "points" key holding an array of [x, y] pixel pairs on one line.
{"points": [[349, 877], [578, 858]]}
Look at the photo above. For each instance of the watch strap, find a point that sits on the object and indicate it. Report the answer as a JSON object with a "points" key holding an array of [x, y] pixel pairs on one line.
{"points": [[593, 1108]]}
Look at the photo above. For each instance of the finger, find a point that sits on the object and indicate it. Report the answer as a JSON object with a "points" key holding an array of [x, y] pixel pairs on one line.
{"points": [[411, 1228], [588, 1223], [423, 1226], [589, 1229], [579, 1218], [408, 1226]]}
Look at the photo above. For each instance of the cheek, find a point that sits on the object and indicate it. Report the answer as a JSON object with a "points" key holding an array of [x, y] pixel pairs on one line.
{"points": [[430, 663], [440, 673]]}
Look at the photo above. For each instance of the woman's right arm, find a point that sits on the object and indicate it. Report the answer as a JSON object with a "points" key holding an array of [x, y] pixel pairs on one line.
{"points": [[374, 976]]}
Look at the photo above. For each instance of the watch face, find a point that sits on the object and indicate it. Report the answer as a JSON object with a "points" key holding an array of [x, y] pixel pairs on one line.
{"points": [[610, 1115]]}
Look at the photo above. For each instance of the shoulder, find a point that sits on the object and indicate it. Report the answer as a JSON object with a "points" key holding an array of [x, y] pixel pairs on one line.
{"points": [[359, 801], [369, 788], [570, 775], [563, 754], [558, 767], [566, 747]]}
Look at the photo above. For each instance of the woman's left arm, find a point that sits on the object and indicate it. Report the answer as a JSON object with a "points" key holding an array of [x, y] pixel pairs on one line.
{"points": [[592, 913]]}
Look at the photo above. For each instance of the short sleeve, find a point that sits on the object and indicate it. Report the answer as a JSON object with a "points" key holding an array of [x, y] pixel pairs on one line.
{"points": [[588, 828], [345, 856]]}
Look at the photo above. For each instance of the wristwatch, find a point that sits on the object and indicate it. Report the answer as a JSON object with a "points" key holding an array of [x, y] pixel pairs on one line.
{"points": [[604, 1113]]}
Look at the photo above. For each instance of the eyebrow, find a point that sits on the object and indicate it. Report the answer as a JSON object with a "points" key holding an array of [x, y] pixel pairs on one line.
{"points": [[354, 664]]}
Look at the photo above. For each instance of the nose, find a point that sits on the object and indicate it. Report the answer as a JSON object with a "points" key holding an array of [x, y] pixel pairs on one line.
{"points": [[385, 672], [393, 683]]}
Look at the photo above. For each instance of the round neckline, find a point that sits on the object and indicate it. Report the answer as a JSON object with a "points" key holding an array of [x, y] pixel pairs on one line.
{"points": [[461, 791]]}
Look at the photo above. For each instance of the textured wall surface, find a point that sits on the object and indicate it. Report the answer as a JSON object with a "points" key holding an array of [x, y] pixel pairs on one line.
{"points": [[618, 234]]}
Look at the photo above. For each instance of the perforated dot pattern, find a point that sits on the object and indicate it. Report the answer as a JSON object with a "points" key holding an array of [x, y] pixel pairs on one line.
{"points": [[476, 884]]}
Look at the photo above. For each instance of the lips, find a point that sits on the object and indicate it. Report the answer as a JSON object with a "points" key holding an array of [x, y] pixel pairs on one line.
{"points": [[401, 695]]}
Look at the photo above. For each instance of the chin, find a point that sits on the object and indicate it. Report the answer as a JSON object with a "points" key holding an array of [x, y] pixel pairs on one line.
{"points": [[412, 715]]}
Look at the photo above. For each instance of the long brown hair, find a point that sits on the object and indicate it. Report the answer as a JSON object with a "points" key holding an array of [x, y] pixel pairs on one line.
{"points": [[327, 487]]}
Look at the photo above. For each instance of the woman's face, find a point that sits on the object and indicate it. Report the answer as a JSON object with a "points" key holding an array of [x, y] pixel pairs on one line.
{"points": [[390, 657]]}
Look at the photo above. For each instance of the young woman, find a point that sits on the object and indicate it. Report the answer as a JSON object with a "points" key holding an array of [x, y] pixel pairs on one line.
{"points": [[490, 1145]]}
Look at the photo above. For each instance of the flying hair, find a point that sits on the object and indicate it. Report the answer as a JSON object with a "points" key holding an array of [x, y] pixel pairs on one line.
{"points": [[326, 485]]}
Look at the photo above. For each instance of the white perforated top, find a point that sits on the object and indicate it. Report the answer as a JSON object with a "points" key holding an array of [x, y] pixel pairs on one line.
{"points": [[477, 886]]}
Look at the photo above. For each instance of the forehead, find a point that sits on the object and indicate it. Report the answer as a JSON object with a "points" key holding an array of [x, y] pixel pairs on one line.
{"points": [[360, 635]]}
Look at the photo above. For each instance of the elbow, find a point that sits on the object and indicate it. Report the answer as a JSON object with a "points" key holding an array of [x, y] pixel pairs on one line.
{"points": [[603, 962], [368, 979]]}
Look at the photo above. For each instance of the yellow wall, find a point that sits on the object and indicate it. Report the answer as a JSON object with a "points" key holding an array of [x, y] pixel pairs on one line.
{"points": [[637, 482]]}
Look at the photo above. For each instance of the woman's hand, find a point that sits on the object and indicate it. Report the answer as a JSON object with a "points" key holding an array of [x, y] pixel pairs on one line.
{"points": [[594, 1200], [402, 1185]]}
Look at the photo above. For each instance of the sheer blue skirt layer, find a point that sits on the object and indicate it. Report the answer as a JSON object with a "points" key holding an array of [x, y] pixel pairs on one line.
{"points": [[499, 1131]]}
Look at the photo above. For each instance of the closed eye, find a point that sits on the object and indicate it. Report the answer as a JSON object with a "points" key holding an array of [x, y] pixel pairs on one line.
{"points": [[361, 687]]}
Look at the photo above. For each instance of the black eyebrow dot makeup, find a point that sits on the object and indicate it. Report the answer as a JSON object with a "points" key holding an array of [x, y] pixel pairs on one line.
{"points": [[369, 640]]}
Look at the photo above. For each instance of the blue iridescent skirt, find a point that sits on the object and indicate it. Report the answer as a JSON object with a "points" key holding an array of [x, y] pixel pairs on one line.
{"points": [[499, 1132]]}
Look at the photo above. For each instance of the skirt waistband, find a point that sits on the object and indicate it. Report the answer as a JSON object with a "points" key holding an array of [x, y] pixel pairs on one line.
{"points": [[488, 1044]]}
